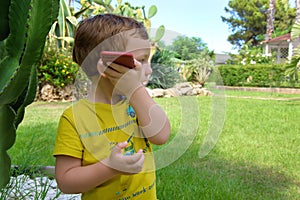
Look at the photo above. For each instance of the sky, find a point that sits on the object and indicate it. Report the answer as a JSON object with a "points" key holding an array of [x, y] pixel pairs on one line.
{"points": [[193, 18]]}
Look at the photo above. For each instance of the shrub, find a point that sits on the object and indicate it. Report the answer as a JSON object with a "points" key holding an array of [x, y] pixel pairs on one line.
{"points": [[251, 56], [164, 73], [57, 68], [254, 75]]}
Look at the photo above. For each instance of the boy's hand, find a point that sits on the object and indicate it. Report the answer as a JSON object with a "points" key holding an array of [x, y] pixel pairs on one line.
{"points": [[124, 164], [125, 80]]}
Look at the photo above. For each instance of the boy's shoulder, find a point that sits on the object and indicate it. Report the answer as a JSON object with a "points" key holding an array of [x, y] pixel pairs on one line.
{"points": [[73, 107]]}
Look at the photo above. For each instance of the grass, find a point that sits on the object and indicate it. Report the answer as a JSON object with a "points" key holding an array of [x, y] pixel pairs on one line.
{"points": [[256, 156], [260, 94]]}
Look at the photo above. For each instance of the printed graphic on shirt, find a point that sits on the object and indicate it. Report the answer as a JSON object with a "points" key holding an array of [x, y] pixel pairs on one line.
{"points": [[130, 111], [138, 193]]}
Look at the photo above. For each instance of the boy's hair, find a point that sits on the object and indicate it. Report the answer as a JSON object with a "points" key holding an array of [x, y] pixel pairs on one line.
{"points": [[98, 30]]}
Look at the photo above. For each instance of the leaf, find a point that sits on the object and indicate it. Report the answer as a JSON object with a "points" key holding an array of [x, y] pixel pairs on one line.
{"points": [[61, 20], [159, 33], [72, 20], [16, 77], [8, 136], [7, 70], [67, 39], [152, 11], [15, 86], [100, 2], [4, 23], [40, 23], [27, 97], [18, 19], [80, 12], [108, 2], [295, 33]]}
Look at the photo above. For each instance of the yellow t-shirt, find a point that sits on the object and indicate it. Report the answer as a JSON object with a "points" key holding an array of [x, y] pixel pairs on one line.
{"points": [[88, 131]]}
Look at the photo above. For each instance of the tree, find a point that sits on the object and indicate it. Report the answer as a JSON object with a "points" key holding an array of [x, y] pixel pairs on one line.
{"points": [[271, 19], [247, 20], [284, 18], [187, 48], [294, 66]]}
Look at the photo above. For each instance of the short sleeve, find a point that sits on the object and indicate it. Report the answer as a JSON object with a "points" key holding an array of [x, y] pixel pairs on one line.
{"points": [[67, 140]]}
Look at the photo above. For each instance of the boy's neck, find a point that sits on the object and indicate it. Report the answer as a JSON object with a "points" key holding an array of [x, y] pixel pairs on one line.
{"points": [[103, 93]]}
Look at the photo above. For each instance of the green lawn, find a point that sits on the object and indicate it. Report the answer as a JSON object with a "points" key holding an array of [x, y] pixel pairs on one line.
{"points": [[256, 157]]}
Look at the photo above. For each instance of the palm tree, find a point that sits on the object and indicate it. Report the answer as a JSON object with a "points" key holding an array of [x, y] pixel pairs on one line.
{"points": [[293, 67], [295, 34]]}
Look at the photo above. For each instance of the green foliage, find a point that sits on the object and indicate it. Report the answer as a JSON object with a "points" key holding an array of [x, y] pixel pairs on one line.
{"points": [[164, 72], [251, 55], [264, 75], [293, 68], [4, 25], [57, 69], [255, 157], [201, 67], [95, 7], [187, 48], [247, 20], [284, 18], [62, 30], [25, 26]]}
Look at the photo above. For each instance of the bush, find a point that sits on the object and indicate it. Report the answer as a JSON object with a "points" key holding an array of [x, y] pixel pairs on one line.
{"points": [[57, 69], [251, 56], [164, 73], [254, 75]]}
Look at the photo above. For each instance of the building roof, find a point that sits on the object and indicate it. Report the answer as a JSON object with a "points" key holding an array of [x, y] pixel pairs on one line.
{"points": [[279, 39], [221, 58]]}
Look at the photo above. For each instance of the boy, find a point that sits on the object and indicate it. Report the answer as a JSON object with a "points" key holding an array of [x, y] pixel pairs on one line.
{"points": [[103, 144]]}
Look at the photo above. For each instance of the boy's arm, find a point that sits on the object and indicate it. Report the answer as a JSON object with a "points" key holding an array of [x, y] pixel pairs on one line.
{"points": [[72, 177], [152, 119]]}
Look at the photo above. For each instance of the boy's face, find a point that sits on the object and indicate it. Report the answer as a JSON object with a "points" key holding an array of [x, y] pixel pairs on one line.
{"points": [[141, 52]]}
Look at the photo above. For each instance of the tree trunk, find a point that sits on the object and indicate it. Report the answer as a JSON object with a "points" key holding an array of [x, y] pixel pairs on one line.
{"points": [[270, 19], [296, 41], [297, 4]]}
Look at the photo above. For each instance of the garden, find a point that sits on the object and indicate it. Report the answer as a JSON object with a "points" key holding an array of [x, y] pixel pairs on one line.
{"points": [[225, 144], [255, 156]]}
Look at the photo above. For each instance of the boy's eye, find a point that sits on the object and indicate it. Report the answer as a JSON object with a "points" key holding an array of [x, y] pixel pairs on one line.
{"points": [[143, 60]]}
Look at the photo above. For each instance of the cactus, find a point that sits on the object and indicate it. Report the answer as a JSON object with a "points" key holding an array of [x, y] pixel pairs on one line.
{"points": [[23, 30]]}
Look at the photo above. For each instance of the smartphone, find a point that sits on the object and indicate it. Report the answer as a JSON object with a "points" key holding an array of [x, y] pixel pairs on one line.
{"points": [[122, 58]]}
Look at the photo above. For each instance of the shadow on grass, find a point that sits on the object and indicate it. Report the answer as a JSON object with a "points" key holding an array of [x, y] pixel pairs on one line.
{"points": [[213, 178]]}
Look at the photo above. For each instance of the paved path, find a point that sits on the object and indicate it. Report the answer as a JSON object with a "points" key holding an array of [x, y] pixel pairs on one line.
{"points": [[265, 98], [262, 89]]}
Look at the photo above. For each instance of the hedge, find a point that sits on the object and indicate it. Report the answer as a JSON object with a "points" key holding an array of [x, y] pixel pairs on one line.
{"points": [[262, 75]]}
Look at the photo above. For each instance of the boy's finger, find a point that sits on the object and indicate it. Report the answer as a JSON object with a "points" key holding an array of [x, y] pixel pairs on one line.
{"points": [[134, 158], [118, 148]]}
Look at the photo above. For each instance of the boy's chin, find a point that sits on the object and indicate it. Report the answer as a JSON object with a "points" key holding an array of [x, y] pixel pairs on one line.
{"points": [[145, 83]]}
